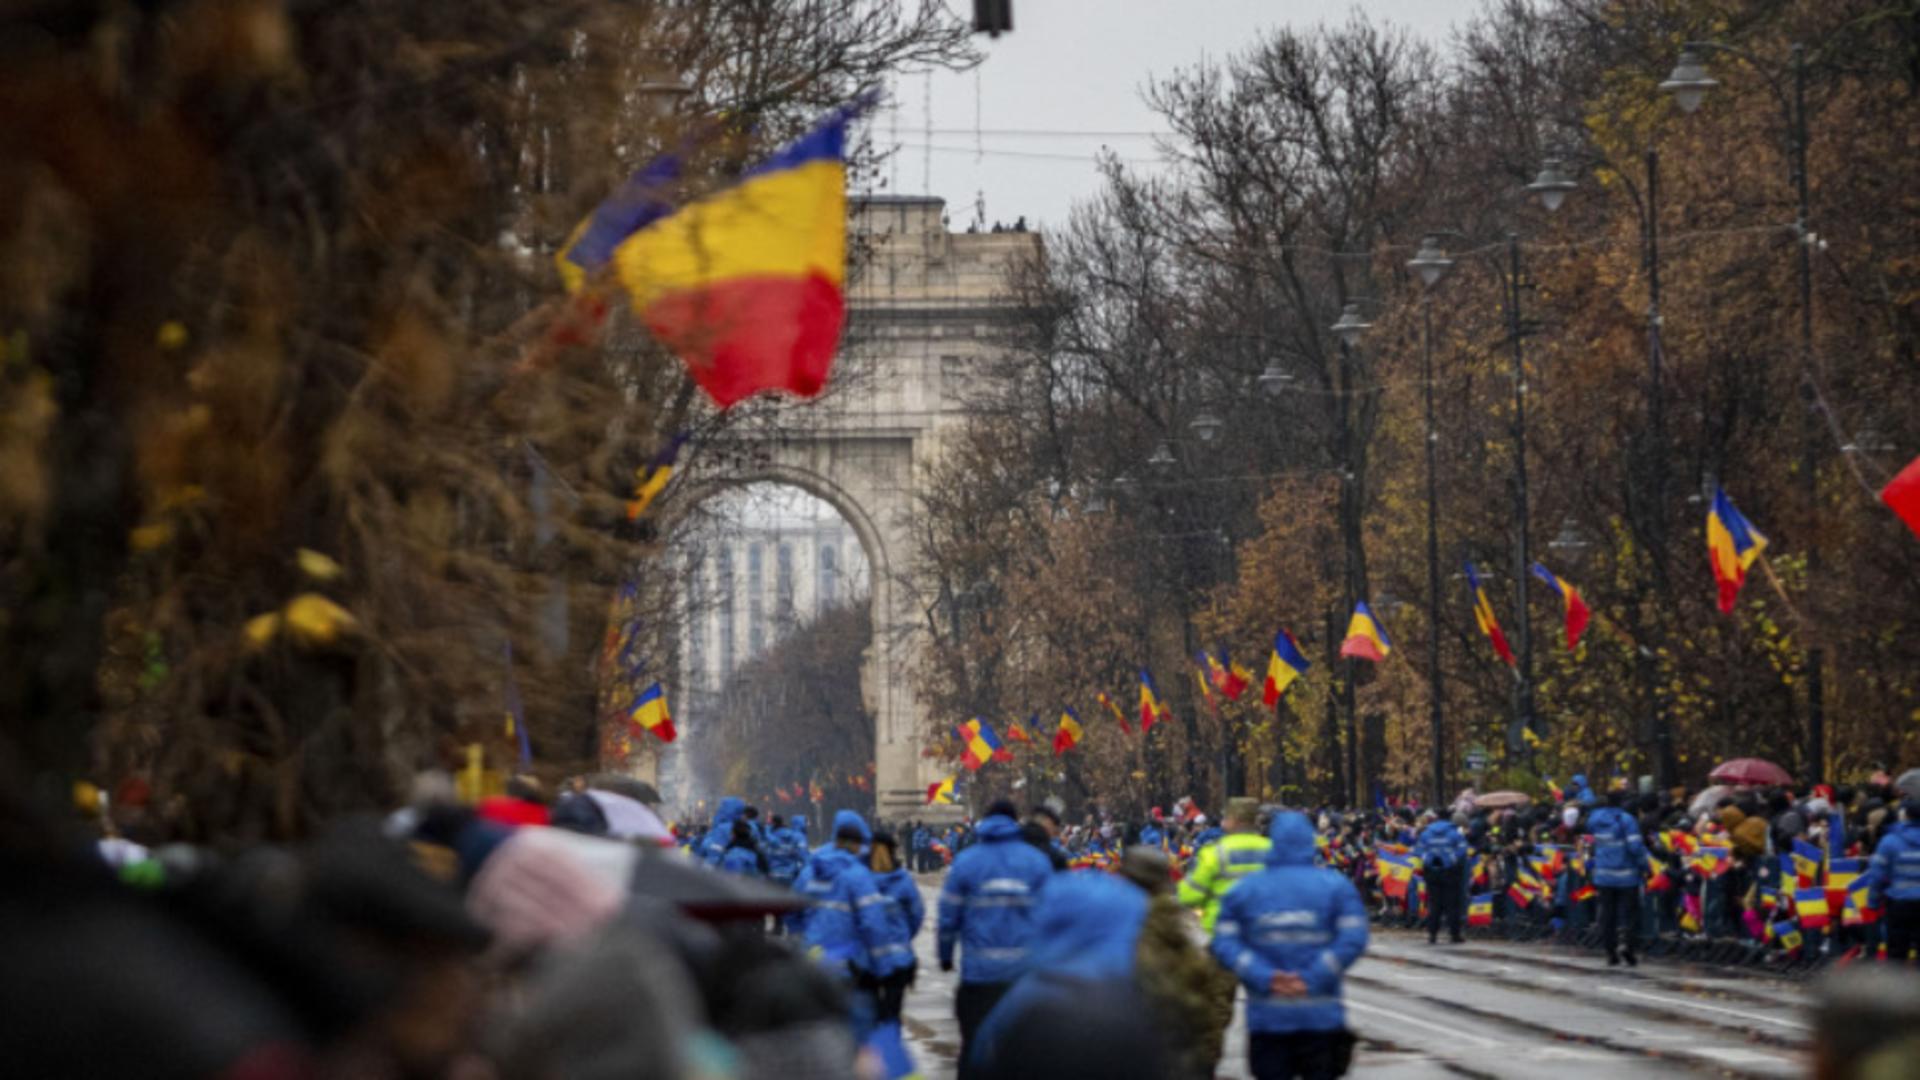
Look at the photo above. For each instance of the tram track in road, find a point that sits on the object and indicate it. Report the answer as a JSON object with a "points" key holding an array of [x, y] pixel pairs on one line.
{"points": [[1768, 1023], [1539, 1016], [1759, 988]]}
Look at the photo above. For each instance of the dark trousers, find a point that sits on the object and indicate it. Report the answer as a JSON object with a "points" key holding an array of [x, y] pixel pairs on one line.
{"points": [[1444, 900], [1617, 907], [1299, 1055], [971, 1004], [1903, 930]]}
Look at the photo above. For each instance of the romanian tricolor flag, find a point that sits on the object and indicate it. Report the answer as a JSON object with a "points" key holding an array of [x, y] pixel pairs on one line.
{"points": [[1657, 879], [1787, 936], [1584, 893], [1810, 907], [979, 744], [1152, 709], [1578, 614], [650, 712], [1396, 873], [1856, 911], [1019, 734], [1227, 677], [745, 284], [1286, 665], [1555, 790], [1068, 734], [1807, 861], [651, 479], [1842, 874], [942, 791], [1732, 545], [1480, 910], [1119, 716], [1366, 638], [1483, 615]]}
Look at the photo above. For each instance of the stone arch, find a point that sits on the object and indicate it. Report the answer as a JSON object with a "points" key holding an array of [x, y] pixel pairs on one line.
{"points": [[875, 516]]}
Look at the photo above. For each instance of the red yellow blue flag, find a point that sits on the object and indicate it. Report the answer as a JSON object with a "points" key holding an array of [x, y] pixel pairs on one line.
{"points": [[1483, 615], [1285, 665], [1152, 709], [1069, 734], [1119, 715], [1732, 545], [650, 712], [1578, 614], [1366, 638], [746, 285], [651, 479]]}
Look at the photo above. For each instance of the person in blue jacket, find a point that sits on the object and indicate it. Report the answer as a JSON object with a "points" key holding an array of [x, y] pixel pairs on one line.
{"points": [[743, 855], [845, 927], [1582, 793], [1893, 876], [786, 852], [1087, 925], [922, 844], [905, 911], [714, 845], [1289, 933], [1442, 852], [986, 908], [1152, 836], [1619, 864]]}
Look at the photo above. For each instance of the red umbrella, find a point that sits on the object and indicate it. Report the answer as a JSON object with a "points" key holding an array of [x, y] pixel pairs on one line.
{"points": [[1752, 771]]}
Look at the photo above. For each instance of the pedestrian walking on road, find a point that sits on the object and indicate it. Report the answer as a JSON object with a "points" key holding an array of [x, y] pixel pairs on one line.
{"points": [[847, 928], [1220, 866], [1078, 1011], [1290, 932], [1442, 852], [1619, 865], [1179, 978], [986, 910]]}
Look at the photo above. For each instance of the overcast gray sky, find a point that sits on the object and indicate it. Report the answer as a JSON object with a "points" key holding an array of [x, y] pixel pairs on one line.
{"points": [[1067, 81]]}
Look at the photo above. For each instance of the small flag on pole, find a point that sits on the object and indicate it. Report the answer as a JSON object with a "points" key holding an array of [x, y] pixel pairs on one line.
{"points": [[1069, 734], [650, 712], [1366, 638], [1483, 615], [1732, 544], [1287, 664], [1578, 614]]}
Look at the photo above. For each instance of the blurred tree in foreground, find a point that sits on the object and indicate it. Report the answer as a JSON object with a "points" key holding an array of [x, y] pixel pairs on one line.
{"points": [[291, 445]]}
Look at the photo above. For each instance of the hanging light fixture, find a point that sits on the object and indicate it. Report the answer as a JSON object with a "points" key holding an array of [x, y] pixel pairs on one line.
{"points": [[1206, 427], [1431, 261], [1552, 185], [1162, 457], [1351, 326], [1689, 81]]}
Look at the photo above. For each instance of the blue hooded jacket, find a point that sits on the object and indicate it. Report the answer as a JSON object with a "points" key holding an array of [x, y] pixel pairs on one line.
{"points": [[1087, 926], [1441, 847], [786, 854], [906, 911], [1582, 793], [713, 846], [742, 861], [848, 920], [1619, 854], [1894, 872], [987, 904], [1296, 918]]}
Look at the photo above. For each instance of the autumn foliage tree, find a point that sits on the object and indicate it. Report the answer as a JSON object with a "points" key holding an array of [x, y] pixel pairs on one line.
{"points": [[1305, 171]]}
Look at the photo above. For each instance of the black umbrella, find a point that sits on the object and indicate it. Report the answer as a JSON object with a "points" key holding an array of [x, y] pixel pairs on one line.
{"points": [[704, 893]]}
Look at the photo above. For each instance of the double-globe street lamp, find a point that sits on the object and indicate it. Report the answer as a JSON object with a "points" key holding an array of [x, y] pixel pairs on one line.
{"points": [[1689, 84]]}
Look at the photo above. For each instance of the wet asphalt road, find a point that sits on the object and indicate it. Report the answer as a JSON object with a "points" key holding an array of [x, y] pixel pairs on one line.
{"points": [[1492, 1009]]}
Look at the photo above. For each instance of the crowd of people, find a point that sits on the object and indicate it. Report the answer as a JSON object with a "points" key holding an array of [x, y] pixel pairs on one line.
{"points": [[579, 934]]}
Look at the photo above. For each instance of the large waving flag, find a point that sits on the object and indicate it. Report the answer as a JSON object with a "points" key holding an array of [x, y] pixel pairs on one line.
{"points": [[975, 750], [1119, 715], [1732, 545], [1287, 664], [1069, 734], [1578, 614], [1483, 614], [650, 712], [1366, 638], [745, 284], [1152, 709]]}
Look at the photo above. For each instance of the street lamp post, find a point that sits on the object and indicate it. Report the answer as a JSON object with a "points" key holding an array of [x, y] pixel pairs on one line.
{"points": [[1689, 84], [1432, 264], [1349, 329]]}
